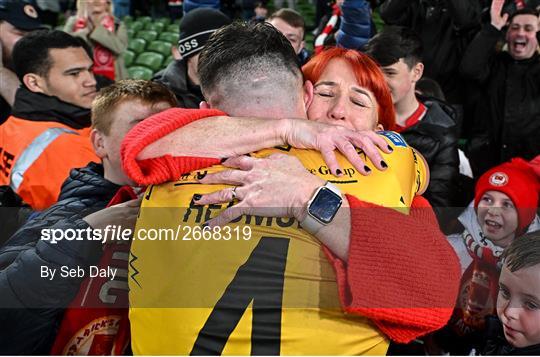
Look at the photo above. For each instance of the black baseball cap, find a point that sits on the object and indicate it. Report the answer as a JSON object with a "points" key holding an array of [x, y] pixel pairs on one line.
{"points": [[20, 14]]}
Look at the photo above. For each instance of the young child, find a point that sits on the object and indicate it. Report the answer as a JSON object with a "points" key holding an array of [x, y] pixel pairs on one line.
{"points": [[517, 330], [504, 207]]}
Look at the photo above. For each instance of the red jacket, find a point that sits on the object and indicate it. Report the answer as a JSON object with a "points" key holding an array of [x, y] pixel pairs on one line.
{"points": [[401, 272]]}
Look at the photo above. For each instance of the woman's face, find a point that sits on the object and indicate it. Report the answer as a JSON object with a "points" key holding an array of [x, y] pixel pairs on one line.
{"points": [[339, 100], [98, 6]]}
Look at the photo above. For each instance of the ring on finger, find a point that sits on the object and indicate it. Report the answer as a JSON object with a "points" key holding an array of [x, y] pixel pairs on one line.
{"points": [[234, 192]]}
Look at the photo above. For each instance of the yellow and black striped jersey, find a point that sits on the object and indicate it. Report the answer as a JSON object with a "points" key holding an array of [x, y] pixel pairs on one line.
{"points": [[274, 293]]}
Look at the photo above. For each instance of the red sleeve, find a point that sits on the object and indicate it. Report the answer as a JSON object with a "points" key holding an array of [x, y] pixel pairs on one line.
{"points": [[401, 271], [166, 167]]}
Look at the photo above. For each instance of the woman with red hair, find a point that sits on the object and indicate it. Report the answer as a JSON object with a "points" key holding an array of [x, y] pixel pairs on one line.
{"points": [[349, 90]]}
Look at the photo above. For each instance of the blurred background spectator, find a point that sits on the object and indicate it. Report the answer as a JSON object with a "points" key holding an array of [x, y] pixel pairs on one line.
{"points": [[107, 35]]}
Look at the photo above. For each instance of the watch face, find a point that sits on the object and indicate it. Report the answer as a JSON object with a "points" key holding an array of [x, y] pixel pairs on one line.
{"points": [[325, 205]]}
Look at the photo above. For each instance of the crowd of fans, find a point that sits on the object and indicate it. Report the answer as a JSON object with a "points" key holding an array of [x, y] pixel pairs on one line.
{"points": [[405, 155]]}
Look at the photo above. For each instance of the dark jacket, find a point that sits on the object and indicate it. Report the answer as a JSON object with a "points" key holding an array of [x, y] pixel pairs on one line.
{"points": [[40, 107], [445, 27], [435, 137], [30, 306], [507, 120], [496, 344], [176, 79], [13, 213]]}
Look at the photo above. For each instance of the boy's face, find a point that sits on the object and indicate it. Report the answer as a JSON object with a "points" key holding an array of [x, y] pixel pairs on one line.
{"points": [[497, 217], [518, 305], [107, 146], [295, 35], [401, 79]]}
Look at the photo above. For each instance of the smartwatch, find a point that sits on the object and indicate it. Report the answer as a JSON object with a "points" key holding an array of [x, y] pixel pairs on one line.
{"points": [[322, 208]]}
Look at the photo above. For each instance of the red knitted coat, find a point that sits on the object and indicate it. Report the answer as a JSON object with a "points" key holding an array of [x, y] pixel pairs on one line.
{"points": [[401, 272]]}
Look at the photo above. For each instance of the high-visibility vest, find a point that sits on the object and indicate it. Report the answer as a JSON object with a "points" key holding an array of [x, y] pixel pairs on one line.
{"points": [[36, 157], [273, 293]]}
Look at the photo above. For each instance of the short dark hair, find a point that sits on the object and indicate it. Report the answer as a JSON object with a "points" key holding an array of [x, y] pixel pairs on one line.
{"points": [[394, 43], [243, 42], [523, 252], [524, 11], [290, 16], [31, 53]]}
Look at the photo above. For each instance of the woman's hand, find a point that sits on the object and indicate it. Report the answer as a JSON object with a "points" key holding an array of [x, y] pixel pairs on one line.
{"points": [[325, 138], [276, 186]]}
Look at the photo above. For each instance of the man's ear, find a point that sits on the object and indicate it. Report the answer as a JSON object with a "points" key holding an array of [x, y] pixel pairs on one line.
{"points": [[35, 83], [308, 94], [417, 71], [204, 105], [96, 137]]}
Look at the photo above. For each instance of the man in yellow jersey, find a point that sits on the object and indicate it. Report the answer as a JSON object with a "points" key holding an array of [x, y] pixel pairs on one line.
{"points": [[259, 285]]}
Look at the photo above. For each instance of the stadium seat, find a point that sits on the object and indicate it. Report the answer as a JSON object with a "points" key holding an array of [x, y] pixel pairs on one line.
{"points": [[147, 35], [140, 73], [168, 60], [161, 47], [154, 26], [144, 19], [169, 37], [129, 56], [164, 20], [135, 26], [137, 45], [150, 59], [173, 28]]}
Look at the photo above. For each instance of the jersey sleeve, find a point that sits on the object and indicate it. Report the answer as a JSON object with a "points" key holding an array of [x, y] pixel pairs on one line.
{"points": [[401, 271], [164, 168]]}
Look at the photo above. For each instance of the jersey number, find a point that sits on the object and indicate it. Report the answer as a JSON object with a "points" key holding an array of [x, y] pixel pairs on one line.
{"points": [[259, 279]]}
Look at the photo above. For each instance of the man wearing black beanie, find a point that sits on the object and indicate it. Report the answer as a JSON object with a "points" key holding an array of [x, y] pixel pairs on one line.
{"points": [[181, 75]]}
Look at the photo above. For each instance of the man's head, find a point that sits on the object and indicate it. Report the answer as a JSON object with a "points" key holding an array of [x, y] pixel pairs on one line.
{"points": [[261, 10], [195, 30], [398, 51], [291, 24], [116, 110], [521, 34], [56, 64], [518, 303], [17, 18], [252, 70]]}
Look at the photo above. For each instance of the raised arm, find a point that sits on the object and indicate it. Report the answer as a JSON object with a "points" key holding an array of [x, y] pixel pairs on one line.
{"points": [[477, 60]]}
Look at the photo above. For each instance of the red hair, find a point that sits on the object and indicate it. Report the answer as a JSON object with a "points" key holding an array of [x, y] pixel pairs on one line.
{"points": [[368, 75]]}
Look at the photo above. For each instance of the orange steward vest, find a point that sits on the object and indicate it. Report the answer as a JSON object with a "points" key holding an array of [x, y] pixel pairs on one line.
{"points": [[36, 157]]}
